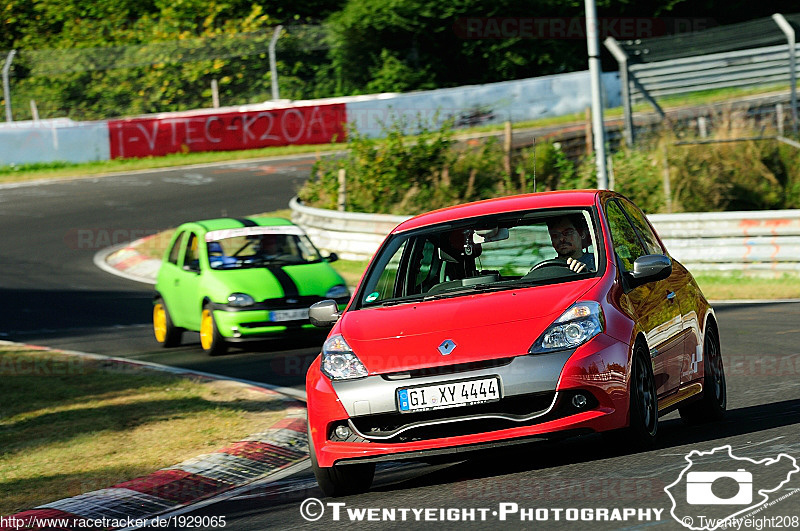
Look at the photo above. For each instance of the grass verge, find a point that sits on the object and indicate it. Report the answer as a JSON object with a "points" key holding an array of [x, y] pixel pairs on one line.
{"points": [[70, 425], [739, 286]]}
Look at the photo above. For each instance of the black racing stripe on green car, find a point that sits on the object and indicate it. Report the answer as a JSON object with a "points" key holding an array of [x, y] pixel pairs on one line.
{"points": [[246, 222], [286, 282]]}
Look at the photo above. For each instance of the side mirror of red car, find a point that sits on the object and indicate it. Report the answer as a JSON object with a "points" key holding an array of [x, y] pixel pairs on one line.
{"points": [[649, 268], [324, 314]]}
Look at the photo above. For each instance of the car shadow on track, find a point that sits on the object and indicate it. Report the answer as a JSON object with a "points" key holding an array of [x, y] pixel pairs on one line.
{"points": [[30, 310], [545, 455]]}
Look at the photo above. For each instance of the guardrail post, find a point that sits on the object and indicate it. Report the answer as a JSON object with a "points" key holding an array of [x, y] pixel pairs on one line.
{"points": [[587, 132], [788, 30], [342, 202], [665, 179], [622, 58], [779, 117], [507, 147], [6, 89]]}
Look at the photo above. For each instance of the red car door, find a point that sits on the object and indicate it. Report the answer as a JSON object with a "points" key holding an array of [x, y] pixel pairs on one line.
{"points": [[655, 304]]}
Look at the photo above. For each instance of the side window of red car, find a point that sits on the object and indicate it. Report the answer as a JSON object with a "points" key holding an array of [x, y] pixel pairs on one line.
{"points": [[175, 252], [425, 273], [626, 243], [383, 283], [647, 234]]}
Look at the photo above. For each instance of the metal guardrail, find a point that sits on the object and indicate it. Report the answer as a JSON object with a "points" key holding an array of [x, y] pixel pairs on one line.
{"points": [[742, 68], [758, 242], [352, 235], [761, 241]]}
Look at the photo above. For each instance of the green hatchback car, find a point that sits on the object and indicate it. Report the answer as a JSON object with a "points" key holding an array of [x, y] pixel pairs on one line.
{"points": [[236, 279]]}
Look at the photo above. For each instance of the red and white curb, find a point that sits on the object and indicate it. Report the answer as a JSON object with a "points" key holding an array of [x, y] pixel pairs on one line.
{"points": [[126, 261], [280, 447]]}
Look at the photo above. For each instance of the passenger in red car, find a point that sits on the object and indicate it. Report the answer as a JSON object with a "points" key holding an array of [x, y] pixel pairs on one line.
{"points": [[570, 236]]}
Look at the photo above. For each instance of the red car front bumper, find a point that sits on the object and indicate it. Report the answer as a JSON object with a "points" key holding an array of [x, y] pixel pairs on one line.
{"points": [[599, 368]]}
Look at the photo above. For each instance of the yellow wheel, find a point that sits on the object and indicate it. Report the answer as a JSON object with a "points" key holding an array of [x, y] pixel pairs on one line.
{"points": [[165, 332], [210, 339], [160, 322]]}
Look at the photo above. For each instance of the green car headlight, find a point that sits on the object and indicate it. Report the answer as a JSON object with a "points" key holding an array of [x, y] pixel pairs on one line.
{"points": [[240, 300]]}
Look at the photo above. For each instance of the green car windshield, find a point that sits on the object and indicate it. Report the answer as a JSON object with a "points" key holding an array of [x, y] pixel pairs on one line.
{"points": [[250, 247]]}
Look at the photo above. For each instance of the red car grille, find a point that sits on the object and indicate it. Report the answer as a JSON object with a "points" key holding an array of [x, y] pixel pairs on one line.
{"points": [[510, 412]]}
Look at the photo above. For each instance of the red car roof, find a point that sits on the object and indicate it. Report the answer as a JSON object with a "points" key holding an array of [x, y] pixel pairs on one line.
{"points": [[555, 199]]}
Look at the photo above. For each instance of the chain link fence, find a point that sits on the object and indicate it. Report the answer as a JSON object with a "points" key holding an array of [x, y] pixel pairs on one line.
{"points": [[184, 74]]}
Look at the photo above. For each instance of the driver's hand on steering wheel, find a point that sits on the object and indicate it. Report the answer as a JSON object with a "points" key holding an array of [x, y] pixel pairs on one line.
{"points": [[575, 265]]}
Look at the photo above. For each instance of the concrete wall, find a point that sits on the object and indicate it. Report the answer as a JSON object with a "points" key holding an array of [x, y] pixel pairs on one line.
{"points": [[301, 122], [53, 140], [492, 103]]}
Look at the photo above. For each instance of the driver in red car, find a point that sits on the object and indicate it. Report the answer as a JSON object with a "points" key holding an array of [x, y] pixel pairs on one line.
{"points": [[570, 236]]}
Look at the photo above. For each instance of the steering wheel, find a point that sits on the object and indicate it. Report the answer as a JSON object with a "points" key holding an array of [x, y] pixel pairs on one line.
{"points": [[549, 263]]}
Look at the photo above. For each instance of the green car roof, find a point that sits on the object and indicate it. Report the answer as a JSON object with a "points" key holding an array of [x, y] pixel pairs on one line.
{"points": [[233, 223]]}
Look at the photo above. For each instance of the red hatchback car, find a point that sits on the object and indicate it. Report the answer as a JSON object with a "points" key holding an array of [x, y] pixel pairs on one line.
{"points": [[498, 322]]}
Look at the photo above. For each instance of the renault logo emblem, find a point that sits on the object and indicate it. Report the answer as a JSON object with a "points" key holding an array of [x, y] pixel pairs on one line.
{"points": [[447, 346]]}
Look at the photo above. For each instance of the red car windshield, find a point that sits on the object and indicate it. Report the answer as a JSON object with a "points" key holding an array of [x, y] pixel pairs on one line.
{"points": [[492, 253]]}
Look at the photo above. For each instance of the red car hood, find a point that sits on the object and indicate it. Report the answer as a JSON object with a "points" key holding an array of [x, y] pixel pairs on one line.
{"points": [[483, 326]]}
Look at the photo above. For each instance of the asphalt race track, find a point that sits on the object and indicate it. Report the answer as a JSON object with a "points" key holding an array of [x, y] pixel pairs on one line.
{"points": [[54, 295], [57, 297], [760, 349]]}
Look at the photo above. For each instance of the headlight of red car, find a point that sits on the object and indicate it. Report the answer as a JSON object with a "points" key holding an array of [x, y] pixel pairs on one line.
{"points": [[339, 362], [577, 325]]}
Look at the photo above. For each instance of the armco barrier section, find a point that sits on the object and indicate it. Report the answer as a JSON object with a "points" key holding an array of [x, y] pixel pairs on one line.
{"points": [[759, 241], [352, 235], [765, 242]]}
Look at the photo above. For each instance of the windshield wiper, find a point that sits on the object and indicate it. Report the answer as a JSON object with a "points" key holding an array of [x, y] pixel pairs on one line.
{"points": [[395, 302], [462, 290]]}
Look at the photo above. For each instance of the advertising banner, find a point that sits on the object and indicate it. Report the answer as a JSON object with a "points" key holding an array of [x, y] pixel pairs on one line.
{"points": [[226, 131]]}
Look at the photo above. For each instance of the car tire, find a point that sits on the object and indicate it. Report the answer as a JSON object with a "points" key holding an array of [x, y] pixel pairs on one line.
{"points": [[643, 426], [712, 405], [341, 480], [167, 334], [210, 339]]}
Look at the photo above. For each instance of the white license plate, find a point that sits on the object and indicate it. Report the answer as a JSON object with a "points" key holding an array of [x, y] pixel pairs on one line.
{"points": [[288, 315], [451, 394]]}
